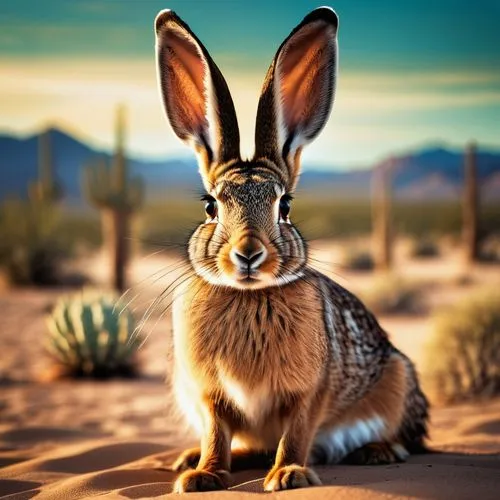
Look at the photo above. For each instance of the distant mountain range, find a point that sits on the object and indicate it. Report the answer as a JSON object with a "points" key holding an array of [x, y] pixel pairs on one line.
{"points": [[19, 166], [424, 174]]}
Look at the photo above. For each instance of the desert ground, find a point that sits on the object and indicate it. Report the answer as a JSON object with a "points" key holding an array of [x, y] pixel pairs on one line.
{"points": [[115, 439]]}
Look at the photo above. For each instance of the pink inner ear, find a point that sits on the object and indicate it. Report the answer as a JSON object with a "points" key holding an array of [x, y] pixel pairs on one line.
{"points": [[186, 83], [304, 75]]}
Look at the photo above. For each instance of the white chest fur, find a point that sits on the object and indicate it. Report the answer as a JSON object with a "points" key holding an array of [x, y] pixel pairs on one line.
{"points": [[246, 347], [253, 402]]}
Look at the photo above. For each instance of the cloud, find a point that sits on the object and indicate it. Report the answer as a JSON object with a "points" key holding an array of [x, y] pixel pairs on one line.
{"points": [[419, 79], [373, 113]]}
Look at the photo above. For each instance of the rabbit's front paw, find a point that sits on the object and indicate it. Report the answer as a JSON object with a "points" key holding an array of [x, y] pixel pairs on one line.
{"points": [[201, 480], [290, 477], [188, 459]]}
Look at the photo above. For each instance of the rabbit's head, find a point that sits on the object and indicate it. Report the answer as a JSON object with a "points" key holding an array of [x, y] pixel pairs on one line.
{"points": [[247, 240]]}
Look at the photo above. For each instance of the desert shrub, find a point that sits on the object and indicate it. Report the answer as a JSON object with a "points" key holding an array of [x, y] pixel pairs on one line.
{"points": [[424, 248], [358, 260], [464, 354], [91, 334], [29, 249], [79, 231], [392, 295], [463, 280], [489, 251]]}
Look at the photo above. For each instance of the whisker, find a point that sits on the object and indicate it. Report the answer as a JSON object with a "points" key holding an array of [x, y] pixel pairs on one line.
{"points": [[149, 311], [143, 342], [163, 272], [178, 285], [326, 270], [300, 277], [188, 273], [178, 265], [177, 296]]}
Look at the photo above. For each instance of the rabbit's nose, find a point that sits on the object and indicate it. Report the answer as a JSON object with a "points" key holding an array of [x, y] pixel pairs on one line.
{"points": [[248, 258]]}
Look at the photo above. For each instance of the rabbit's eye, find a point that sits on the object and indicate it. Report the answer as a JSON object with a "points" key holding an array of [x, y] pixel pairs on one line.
{"points": [[210, 206], [285, 206]]}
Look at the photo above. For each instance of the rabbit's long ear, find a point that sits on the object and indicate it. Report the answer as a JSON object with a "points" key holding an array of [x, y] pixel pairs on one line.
{"points": [[298, 91], [195, 95]]}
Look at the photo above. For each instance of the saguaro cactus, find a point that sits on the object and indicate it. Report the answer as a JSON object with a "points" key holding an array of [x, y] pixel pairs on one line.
{"points": [[470, 206], [45, 189], [381, 215], [118, 197]]}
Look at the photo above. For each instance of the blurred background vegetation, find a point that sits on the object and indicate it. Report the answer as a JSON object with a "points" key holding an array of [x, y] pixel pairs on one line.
{"points": [[167, 223], [412, 232]]}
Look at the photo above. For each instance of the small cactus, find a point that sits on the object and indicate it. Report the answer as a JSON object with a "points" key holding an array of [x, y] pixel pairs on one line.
{"points": [[118, 196], [89, 335], [45, 189]]}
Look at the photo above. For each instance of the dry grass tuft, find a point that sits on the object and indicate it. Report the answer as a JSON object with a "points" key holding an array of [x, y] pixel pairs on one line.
{"points": [[464, 353], [392, 295]]}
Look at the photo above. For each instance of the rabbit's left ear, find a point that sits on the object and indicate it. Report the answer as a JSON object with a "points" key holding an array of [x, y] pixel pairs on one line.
{"points": [[298, 91], [195, 95]]}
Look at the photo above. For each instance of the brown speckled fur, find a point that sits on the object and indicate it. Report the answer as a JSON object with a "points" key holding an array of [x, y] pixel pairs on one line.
{"points": [[272, 358]]}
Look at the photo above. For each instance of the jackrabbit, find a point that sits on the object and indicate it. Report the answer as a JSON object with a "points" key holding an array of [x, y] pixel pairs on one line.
{"points": [[270, 356]]}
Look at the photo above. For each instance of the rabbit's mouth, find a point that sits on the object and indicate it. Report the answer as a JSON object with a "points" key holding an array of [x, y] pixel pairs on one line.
{"points": [[248, 280], [245, 277]]}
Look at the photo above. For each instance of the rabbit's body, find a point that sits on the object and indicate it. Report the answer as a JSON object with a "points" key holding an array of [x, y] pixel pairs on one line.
{"points": [[257, 353], [263, 354], [269, 354]]}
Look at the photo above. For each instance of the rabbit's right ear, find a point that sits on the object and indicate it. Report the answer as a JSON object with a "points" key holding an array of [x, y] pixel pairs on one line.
{"points": [[298, 92], [195, 95]]}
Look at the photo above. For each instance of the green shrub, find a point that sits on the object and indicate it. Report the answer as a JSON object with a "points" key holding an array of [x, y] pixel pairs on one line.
{"points": [[489, 251], [464, 353], [358, 260], [90, 334], [30, 252], [424, 248], [79, 231], [391, 295]]}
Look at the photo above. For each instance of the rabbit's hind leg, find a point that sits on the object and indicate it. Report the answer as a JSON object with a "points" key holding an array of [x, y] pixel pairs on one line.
{"points": [[412, 432], [382, 453], [371, 425]]}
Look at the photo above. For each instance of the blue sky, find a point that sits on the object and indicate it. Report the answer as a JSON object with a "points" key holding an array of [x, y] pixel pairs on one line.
{"points": [[410, 72]]}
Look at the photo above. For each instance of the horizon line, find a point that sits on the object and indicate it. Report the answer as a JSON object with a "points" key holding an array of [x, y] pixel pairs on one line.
{"points": [[426, 145]]}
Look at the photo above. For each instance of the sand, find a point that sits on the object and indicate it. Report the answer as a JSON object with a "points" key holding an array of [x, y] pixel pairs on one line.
{"points": [[115, 440]]}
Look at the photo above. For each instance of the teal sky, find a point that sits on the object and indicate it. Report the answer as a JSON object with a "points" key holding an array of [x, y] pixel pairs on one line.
{"points": [[410, 72]]}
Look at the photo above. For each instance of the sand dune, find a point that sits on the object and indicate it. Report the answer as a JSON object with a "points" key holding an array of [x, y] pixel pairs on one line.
{"points": [[67, 462], [115, 440]]}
